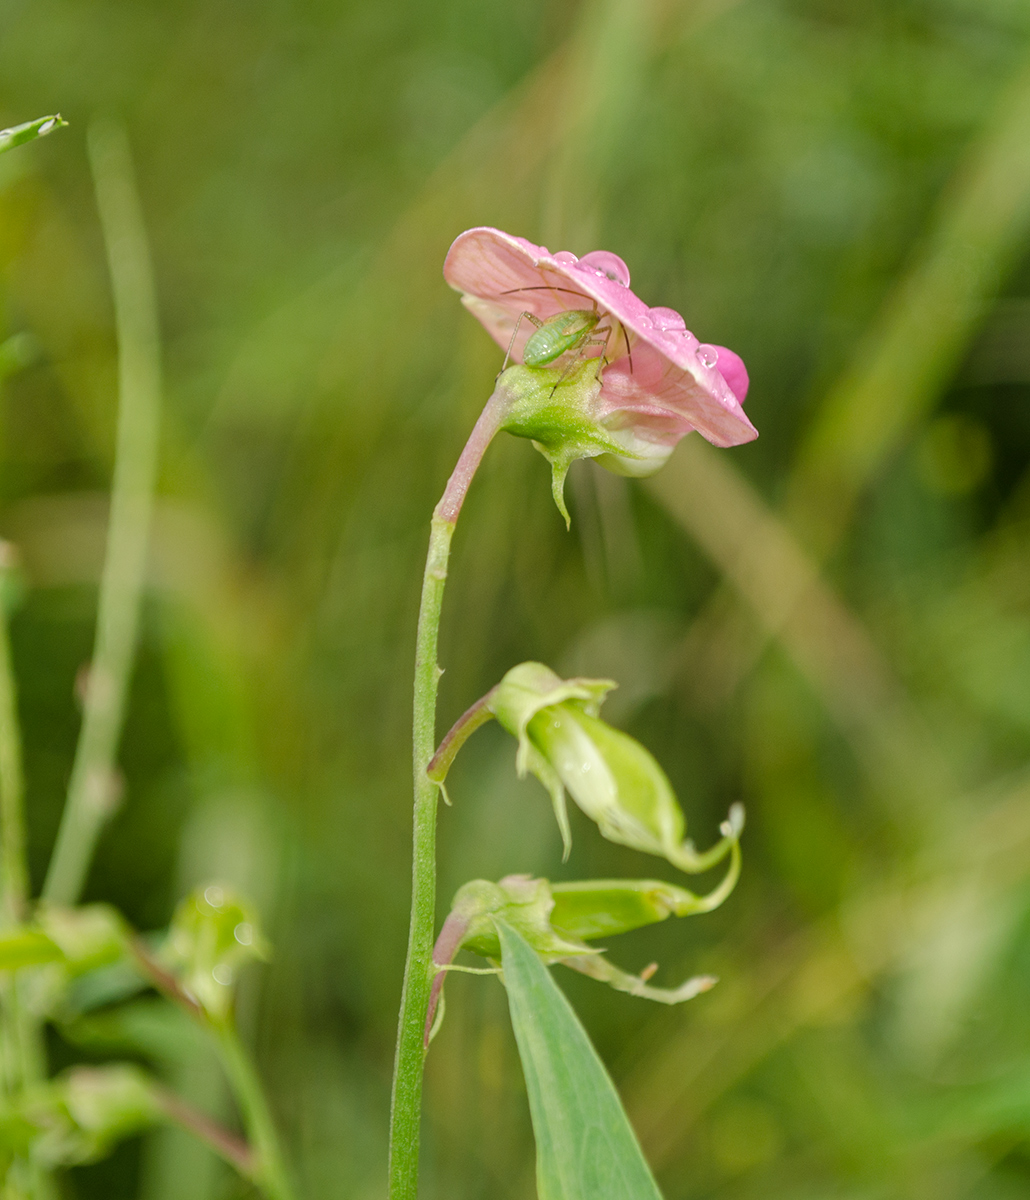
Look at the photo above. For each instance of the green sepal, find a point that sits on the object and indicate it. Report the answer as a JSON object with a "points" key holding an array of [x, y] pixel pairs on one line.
{"points": [[525, 903], [524, 693], [556, 410]]}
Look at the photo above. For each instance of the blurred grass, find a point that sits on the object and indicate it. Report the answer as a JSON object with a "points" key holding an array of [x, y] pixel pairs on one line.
{"points": [[832, 624]]}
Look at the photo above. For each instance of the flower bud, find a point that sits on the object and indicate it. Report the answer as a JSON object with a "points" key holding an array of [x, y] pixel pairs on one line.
{"points": [[88, 937], [556, 920], [213, 933], [83, 1113], [613, 779]]}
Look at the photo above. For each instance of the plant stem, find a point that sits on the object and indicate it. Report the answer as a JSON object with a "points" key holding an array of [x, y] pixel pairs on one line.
{"points": [[13, 863], [22, 1044], [92, 789], [270, 1170], [406, 1106]]}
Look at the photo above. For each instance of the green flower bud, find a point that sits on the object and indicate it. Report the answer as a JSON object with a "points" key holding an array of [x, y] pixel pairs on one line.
{"points": [[92, 936], [213, 933], [83, 1113], [558, 919], [612, 778]]}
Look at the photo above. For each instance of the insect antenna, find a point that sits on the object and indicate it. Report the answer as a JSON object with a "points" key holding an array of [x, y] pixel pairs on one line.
{"points": [[546, 287]]}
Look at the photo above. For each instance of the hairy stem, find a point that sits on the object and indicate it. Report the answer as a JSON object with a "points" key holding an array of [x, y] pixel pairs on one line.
{"points": [[92, 790], [406, 1104]]}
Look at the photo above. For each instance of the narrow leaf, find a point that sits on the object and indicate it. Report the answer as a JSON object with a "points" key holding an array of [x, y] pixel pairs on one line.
{"points": [[585, 1146]]}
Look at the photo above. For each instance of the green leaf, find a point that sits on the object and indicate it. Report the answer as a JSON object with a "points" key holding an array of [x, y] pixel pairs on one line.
{"points": [[585, 1146], [19, 134]]}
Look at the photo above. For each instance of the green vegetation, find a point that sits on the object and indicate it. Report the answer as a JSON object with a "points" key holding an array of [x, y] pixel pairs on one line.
{"points": [[831, 625]]}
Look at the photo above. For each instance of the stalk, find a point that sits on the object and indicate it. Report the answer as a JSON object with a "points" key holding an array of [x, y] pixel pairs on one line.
{"points": [[406, 1105], [23, 1053], [92, 788], [269, 1171]]}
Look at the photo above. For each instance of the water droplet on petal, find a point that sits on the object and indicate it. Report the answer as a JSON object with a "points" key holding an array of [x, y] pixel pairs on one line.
{"points": [[565, 257], [607, 265], [708, 355], [668, 320]]}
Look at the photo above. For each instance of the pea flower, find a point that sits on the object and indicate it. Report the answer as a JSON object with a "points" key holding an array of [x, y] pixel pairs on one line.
{"points": [[558, 919], [611, 776], [657, 382]]}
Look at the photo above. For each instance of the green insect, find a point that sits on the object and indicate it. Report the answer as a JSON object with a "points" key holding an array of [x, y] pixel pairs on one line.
{"points": [[573, 329]]}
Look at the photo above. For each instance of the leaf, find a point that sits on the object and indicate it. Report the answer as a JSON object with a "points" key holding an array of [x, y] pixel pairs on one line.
{"points": [[19, 134], [585, 1146]]}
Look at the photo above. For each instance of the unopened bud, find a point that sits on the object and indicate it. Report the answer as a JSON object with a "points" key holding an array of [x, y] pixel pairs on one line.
{"points": [[213, 933]]}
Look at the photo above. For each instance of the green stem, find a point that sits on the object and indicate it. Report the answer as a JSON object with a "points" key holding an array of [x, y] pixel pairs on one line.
{"points": [[270, 1170], [406, 1104], [22, 1042], [92, 789], [15, 884]]}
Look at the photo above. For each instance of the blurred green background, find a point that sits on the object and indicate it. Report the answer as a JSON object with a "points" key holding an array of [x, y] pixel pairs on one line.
{"points": [[831, 624]]}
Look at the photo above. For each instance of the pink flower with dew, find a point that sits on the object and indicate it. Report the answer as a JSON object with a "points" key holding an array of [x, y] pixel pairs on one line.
{"points": [[660, 382]]}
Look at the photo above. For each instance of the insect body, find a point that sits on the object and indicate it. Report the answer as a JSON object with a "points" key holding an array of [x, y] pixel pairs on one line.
{"points": [[568, 330]]}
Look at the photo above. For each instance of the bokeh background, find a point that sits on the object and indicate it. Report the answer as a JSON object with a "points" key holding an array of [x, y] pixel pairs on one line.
{"points": [[831, 624]]}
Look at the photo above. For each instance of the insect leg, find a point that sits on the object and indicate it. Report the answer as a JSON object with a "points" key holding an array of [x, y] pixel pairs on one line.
{"points": [[529, 316]]}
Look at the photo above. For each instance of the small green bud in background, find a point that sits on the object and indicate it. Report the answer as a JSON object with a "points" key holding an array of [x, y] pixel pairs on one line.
{"points": [[83, 1113], [613, 779], [213, 933], [89, 937]]}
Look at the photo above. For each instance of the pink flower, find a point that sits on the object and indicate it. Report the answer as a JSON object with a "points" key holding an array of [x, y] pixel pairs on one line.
{"points": [[660, 382]]}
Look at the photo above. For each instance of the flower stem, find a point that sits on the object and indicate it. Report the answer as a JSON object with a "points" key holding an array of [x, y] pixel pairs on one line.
{"points": [[406, 1104], [269, 1172], [92, 788]]}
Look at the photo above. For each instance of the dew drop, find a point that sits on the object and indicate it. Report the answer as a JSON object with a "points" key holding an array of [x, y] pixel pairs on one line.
{"points": [[606, 265], [708, 355], [214, 896], [222, 974], [244, 933], [565, 257], [667, 320]]}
